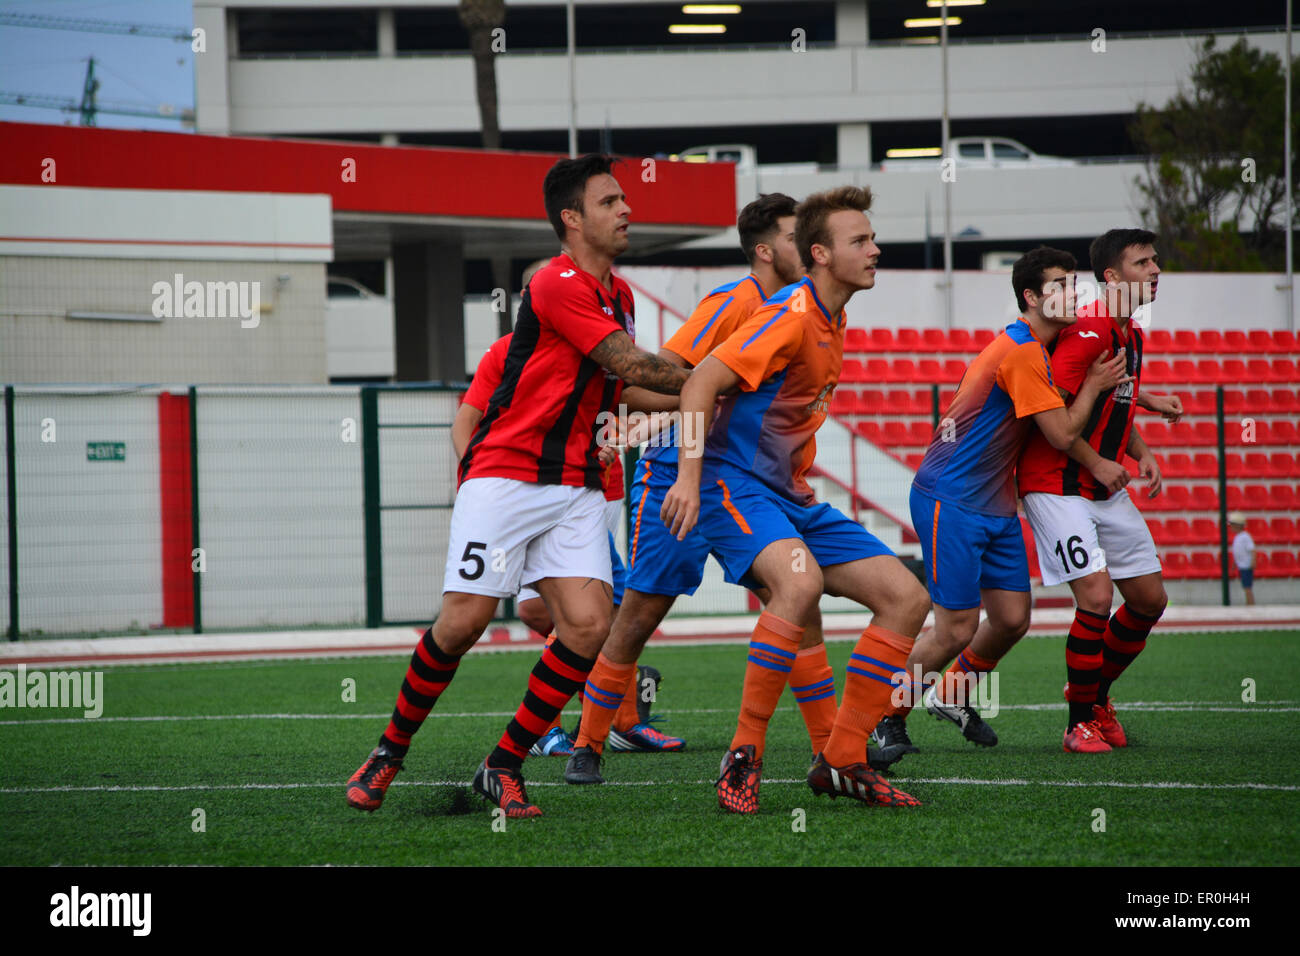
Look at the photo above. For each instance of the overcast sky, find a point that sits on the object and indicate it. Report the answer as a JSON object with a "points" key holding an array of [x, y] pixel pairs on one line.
{"points": [[143, 71]]}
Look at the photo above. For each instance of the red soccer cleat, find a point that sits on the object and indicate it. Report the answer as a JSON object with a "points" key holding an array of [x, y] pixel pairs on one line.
{"points": [[368, 785], [505, 788], [858, 781], [1085, 738], [738, 781], [1108, 725]]}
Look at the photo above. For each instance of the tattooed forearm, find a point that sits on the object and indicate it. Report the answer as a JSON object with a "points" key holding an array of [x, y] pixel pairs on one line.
{"points": [[618, 353]]}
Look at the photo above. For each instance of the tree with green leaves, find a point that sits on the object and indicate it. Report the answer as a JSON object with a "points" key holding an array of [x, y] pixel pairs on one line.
{"points": [[1214, 191]]}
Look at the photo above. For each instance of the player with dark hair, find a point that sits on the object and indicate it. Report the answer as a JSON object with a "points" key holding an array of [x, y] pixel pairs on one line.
{"points": [[660, 567], [530, 507], [1088, 531], [750, 495], [963, 501]]}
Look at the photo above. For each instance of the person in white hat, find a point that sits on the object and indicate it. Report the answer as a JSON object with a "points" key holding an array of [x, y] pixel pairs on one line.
{"points": [[1243, 554]]}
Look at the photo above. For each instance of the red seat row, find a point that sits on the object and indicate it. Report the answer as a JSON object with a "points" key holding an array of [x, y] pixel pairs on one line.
{"points": [[1215, 342], [1219, 371], [917, 340], [1277, 564], [1276, 531], [1251, 465], [1205, 564], [928, 371], [1257, 401], [1193, 434], [1181, 531], [896, 434]]}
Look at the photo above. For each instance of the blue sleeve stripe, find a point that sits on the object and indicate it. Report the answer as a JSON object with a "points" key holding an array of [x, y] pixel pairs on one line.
{"points": [[708, 325], [766, 326]]}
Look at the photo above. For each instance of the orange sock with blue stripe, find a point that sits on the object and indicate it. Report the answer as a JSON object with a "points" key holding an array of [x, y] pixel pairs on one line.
{"points": [[603, 694], [625, 718], [956, 687], [813, 684], [772, 652], [869, 684]]}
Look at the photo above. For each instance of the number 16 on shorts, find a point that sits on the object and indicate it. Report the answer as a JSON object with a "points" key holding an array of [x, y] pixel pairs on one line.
{"points": [[1074, 558]]}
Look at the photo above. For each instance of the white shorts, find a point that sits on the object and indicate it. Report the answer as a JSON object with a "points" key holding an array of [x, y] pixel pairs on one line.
{"points": [[506, 533], [1077, 536], [613, 516]]}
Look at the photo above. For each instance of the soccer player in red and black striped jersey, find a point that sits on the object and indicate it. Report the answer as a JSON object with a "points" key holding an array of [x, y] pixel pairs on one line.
{"points": [[530, 505], [1087, 529]]}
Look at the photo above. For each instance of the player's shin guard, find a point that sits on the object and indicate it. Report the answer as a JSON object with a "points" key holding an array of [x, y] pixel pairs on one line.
{"points": [[1083, 664], [555, 679], [869, 682], [1123, 640], [428, 675], [813, 684], [772, 651], [625, 718], [604, 694], [956, 684]]}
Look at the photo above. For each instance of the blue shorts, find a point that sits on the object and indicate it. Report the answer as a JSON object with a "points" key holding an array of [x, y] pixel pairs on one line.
{"points": [[620, 574], [1247, 577], [657, 562], [975, 552], [740, 516]]}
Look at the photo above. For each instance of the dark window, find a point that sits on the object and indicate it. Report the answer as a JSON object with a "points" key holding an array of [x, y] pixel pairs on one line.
{"points": [[308, 31]]}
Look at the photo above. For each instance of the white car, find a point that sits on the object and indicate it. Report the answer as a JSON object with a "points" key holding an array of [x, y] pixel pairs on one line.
{"points": [[981, 152], [359, 338]]}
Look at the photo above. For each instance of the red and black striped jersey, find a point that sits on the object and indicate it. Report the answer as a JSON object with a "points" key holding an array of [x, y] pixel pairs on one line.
{"points": [[1042, 467], [540, 424], [491, 369]]}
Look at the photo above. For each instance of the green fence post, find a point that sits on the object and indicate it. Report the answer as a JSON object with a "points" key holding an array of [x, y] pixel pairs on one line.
{"points": [[370, 476], [934, 405], [195, 575], [1223, 495], [12, 495]]}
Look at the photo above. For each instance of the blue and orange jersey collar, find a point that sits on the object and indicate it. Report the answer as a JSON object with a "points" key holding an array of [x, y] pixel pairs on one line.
{"points": [[833, 321]]}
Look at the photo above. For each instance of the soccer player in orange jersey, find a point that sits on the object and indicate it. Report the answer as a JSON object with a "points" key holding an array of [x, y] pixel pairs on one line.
{"points": [[750, 496]]}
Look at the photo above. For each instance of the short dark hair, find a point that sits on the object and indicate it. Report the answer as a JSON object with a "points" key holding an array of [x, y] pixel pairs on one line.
{"points": [[1029, 269], [810, 225], [566, 181], [758, 221], [1107, 250]]}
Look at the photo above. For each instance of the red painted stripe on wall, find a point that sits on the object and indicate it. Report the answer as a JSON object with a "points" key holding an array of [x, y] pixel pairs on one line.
{"points": [[175, 489]]}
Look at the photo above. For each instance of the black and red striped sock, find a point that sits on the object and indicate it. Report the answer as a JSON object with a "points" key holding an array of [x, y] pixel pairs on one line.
{"points": [[1125, 636], [430, 672], [559, 674], [1083, 664]]}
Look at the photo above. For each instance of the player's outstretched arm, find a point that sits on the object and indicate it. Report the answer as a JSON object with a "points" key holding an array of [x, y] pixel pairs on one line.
{"points": [[635, 366], [1169, 406], [681, 508], [462, 427], [639, 399]]}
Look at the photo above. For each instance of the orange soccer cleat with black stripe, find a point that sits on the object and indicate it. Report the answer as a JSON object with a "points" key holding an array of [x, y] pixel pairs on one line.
{"points": [[738, 780], [368, 785], [858, 781], [505, 788]]}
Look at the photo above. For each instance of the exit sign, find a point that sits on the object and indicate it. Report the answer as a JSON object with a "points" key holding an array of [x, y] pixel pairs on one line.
{"points": [[105, 451]]}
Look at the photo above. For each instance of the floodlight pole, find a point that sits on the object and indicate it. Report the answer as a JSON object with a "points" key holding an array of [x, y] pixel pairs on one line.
{"points": [[947, 183], [573, 81]]}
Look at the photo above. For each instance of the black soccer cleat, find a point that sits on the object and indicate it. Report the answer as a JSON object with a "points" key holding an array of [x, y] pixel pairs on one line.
{"points": [[505, 788], [892, 743], [644, 674], [972, 725], [368, 785], [583, 767]]}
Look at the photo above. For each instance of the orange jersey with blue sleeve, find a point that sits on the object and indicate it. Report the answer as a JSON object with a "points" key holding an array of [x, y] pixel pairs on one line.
{"points": [[788, 356], [719, 314], [971, 461]]}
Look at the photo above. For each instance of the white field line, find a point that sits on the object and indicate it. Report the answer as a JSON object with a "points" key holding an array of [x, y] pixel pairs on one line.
{"points": [[1155, 706], [945, 781]]}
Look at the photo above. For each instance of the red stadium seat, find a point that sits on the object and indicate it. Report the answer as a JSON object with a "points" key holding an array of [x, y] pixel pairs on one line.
{"points": [[1204, 531], [1205, 564], [1282, 564], [872, 401], [934, 340], [1282, 498], [946, 395], [904, 370], [1258, 370], [1280, 530], [1235, 341], [1282, 465], [984, 336], [1157, 529], [1283, 433], [1230, 372], [1156, 434], [900, 401], [1259, 341], [894, 435], [1234, 400], [1285, 401], [1256, 465], [853, 371], [1202, 498], [844, 402], [871, 431], [914, 460], [1184, 370], [1261, 565], [1284, 341], [1159, 340], [908, 340], [929, 370], [961, 340], [953, 370], [1259, 530], [882, 340], [1157, 372], [856, 340], [1175, 564], [1210, 342], [1184, 341], [920, 434], [1235, 463], [1207, 433], [1179, 465], [1176, 531], [1204, 465], [1199, 402], [879, 370], [1256, 401], [1284, 370]]}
